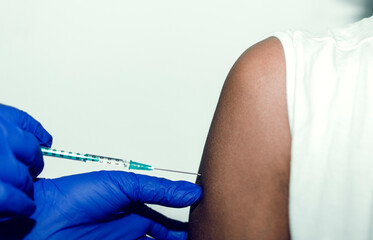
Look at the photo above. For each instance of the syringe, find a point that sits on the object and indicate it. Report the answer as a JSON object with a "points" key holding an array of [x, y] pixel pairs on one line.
{"points": [[127, 164]]}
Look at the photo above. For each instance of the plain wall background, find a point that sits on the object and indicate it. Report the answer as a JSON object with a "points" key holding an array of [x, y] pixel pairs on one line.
{"points": [[138, 79]]}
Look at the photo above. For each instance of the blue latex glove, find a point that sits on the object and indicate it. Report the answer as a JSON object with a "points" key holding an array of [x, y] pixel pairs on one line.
{"points": [[20, 160], [105, 205]]}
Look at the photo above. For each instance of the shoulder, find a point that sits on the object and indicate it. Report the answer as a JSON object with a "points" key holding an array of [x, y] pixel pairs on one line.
{"points": [[260, 72], [264, 57], [261, 63]]}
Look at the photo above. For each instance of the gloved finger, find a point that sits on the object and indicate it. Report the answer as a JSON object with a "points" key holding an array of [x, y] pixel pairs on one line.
{"points": [[27, 123], [14, 172], [153, 190], [131, 226], [160, 226], [14, 202], [142, 226], [158, 231], [26, 149], [24, 146]]}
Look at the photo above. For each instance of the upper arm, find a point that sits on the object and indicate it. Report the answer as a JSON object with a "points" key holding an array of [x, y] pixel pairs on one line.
{"points": [[246, 161]]}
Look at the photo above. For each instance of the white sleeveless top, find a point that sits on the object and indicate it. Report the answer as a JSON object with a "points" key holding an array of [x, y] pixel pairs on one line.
{"points": [[330, 104]]}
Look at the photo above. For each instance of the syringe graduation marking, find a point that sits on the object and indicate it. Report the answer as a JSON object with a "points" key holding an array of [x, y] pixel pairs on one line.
{"points": [[109, 160]]}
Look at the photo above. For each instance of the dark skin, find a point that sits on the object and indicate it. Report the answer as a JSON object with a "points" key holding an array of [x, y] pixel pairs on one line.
{"points": [[246, 161]]}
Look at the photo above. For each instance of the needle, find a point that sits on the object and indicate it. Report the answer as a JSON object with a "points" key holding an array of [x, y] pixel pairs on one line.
{"points": [[168, 170]]}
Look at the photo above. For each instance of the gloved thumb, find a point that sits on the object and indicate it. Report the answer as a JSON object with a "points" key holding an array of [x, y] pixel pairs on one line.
{"points": [[164, 192], [146, 189]]}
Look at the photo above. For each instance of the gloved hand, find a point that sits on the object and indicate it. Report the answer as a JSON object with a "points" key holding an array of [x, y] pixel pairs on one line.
{"points": [[20, 160], [104, 205]]}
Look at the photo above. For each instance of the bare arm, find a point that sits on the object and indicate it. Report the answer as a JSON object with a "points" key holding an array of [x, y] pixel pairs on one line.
{"points": [[246, 161]]}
